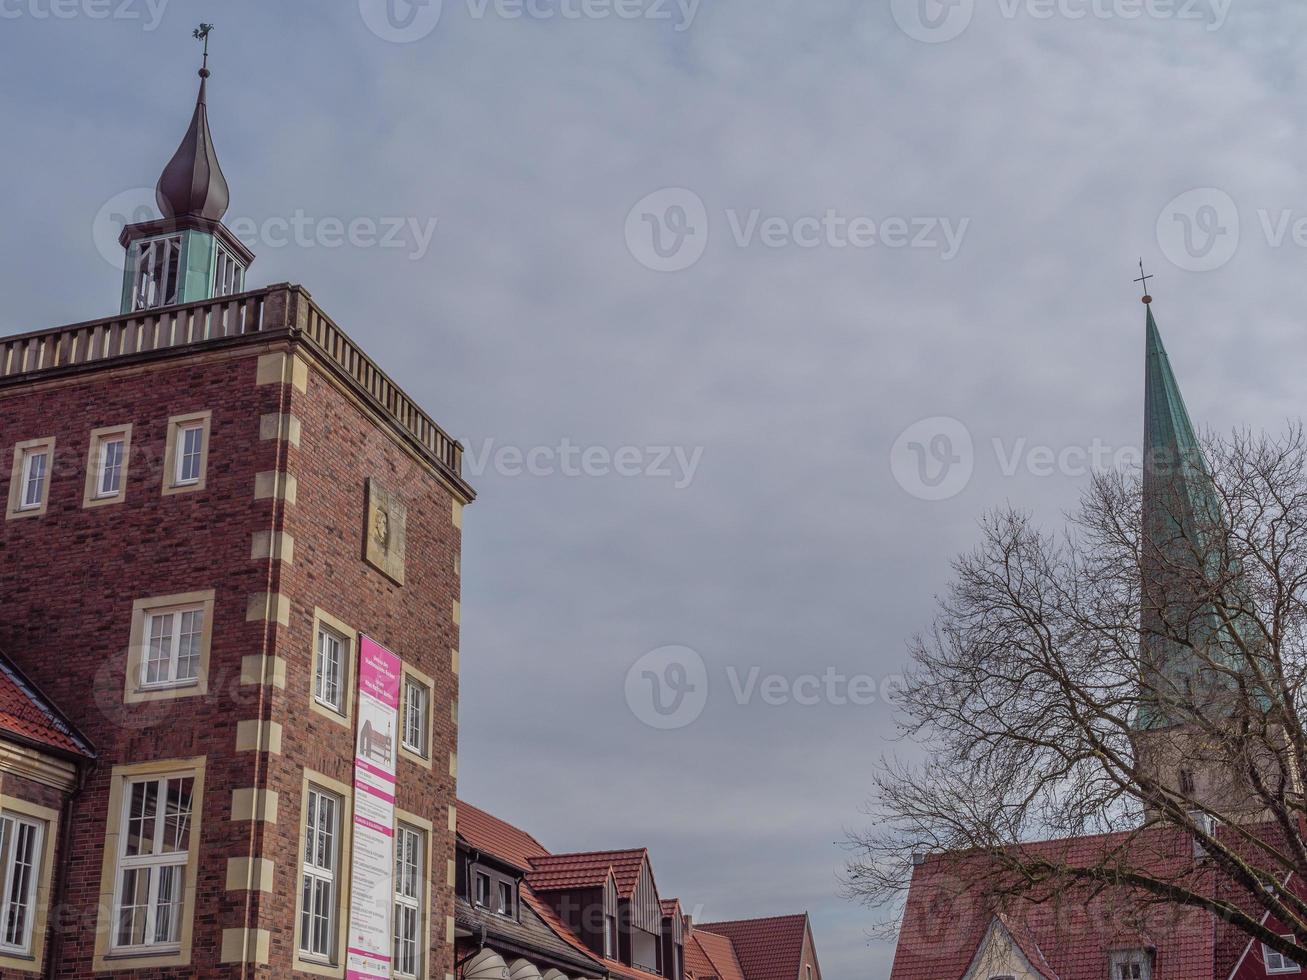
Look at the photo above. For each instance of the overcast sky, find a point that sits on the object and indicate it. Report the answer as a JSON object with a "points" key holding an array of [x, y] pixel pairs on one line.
{"points": [[739, 423]]}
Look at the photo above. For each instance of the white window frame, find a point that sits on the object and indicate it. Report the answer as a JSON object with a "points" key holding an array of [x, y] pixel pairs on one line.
{"points": [[316, 874], [1126, 960], [1284, 965], [482, 878], [26, 501], [320, 679], [97, 469], [155, 863], [171, 678], [181, 476], [410, 890], [503, 908], [104, 467], [20, 476], [416, 738], [11, 826], [175, 478]]}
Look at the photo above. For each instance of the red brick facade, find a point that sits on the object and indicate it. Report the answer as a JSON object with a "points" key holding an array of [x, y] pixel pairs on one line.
{"points": [[276, 533]]}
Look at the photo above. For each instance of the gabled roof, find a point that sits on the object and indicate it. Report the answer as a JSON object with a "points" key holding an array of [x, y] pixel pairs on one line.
{"points": [[562, 872], [1001, 928], [1068, 935], [26, 714], [768, 949], [494, 836], [710, 955]]}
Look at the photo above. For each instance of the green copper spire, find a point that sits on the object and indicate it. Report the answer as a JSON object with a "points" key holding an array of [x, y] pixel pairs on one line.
{"points": [[1180, 513]]}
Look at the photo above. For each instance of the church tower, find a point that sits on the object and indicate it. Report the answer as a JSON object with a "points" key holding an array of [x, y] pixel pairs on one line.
{"points": [[1187, 650], [188, 255]]}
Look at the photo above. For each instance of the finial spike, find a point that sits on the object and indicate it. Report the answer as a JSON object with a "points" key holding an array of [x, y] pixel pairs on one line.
{"points": [[1143, 278], [202, 33]]}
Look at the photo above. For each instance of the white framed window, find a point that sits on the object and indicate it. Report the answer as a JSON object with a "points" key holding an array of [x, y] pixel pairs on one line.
{"points": [[154, 846], [483, 890], [504, 898], [410, 847], [228, 274], [174, 642], [329, 669], [320, 875], [1277, 962], [35, 478], [109, 478], [158, 273], [186, 456], [21, 847], [190, 450], [106, 466], [610, 937], [417, 715], [29, 480], [1134, 964]]}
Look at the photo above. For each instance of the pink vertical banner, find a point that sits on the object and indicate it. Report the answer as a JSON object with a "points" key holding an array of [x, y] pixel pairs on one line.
{"points": [[372, 866]]}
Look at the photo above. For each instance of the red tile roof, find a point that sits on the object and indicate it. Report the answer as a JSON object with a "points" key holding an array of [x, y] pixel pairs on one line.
{"points": [[711, 955], [29, 715], [1068, 935], [558, 872], [768, 949], [708, 954], [490, 834]]}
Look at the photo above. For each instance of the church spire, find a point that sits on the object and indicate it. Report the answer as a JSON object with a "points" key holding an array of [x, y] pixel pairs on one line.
{"points": [[1180, 514], [192, 185]]}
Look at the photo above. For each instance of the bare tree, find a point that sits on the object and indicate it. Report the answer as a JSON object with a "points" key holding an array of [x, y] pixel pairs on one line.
{"points": [[1143, 667]]}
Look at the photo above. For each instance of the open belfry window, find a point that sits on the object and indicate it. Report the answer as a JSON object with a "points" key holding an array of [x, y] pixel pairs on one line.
{"points": [[158, 273], [29, 481], [228, 273]]}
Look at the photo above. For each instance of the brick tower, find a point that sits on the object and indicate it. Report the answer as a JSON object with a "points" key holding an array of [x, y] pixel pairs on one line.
{"points": [[214, 500]]}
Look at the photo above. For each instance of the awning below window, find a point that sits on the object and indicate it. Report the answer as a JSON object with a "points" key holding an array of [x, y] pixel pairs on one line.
{"points": [[486, 965], [554, 975]]}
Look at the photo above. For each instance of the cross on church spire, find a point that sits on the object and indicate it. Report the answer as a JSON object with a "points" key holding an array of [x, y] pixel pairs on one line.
{"points": [[1144, 279]]}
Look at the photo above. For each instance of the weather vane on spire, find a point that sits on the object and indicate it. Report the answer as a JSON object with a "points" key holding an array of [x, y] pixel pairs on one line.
{"points": [[202, 33], [1144, 279]]}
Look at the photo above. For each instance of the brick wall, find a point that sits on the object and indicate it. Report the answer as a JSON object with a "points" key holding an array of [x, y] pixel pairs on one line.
{"points": [[69, 579]]}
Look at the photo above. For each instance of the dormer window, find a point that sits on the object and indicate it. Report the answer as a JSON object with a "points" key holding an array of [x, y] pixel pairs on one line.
{"points": [[1134, 964], [158, 273], [1277, 962], [504, 899], [483, 890], [229, 274]]}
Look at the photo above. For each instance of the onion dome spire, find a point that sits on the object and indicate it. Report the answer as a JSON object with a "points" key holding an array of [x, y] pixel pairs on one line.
{"points": [[192, 185]]}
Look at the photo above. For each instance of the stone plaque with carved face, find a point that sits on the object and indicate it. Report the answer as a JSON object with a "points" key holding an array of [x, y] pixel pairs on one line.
{"points": [[385, 532]]}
